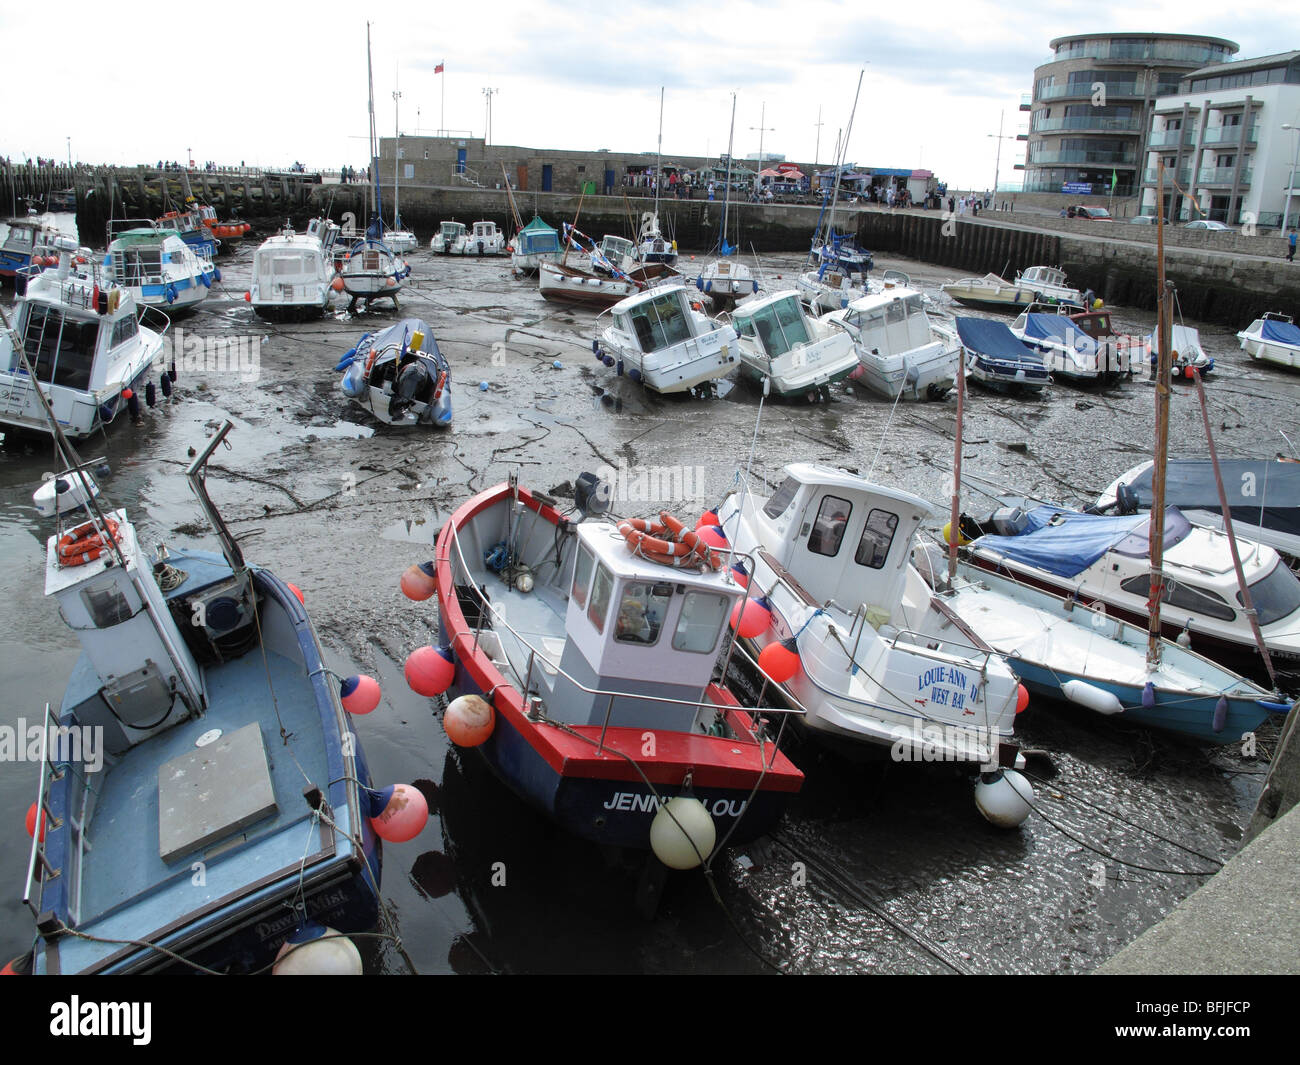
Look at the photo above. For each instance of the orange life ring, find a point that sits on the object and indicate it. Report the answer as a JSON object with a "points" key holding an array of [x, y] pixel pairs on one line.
{"points": [[85, 543], [691, 539], [641, 537]]}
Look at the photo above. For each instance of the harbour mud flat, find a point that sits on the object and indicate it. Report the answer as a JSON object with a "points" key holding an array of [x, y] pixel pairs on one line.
{"points": [[880, 866]]}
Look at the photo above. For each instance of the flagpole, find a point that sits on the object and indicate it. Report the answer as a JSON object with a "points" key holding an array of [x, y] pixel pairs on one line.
{"points": [[442, 115]]}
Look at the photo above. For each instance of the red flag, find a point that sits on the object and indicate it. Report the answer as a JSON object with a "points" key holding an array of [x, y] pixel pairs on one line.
{"points": [[438, 69]]}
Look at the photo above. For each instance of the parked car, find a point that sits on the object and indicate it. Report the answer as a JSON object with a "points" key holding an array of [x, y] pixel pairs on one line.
{"points": [[1205, 223], [1093, 214], [1142, 220]]}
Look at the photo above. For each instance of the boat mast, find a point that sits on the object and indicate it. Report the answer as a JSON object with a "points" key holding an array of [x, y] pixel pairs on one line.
{"points": [[726, 192], [954, 522], [397, 155], [659, 154], [374, 157], [839, 167], [1163, 373]]}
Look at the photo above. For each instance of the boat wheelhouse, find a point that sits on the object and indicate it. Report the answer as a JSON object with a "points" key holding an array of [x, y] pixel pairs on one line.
{"points": [[660, 338], [190, 226], [900, 350], [1049, 285], [27, 239], [86, 346], [449, 239], [797, 355], [616, 255], [534, 244], [483, 238]]}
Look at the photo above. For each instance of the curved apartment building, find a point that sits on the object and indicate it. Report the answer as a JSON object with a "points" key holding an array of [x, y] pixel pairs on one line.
{"points": [[1092, 102]]}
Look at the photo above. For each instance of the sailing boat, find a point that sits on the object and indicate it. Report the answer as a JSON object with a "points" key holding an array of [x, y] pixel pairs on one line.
{"points": [[725, 279], [651, 245], [1072, 647], [399, 239]]}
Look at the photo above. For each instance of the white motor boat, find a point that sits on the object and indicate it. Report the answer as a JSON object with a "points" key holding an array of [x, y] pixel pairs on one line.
{"points": [[901, 351], [26, 241], [1273, 338], [660, 338], [485, 238], [450, 239], [1188, 352], [797, 355], [292, 275], [86, 349], [824, 290], [653, 246], [1038, 284], [881, 659], [614, 255], [997, 359], [726, 281], [156, 266]]}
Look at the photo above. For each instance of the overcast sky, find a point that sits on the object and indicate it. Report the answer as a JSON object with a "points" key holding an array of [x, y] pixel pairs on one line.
{"points": [[269, 84]]}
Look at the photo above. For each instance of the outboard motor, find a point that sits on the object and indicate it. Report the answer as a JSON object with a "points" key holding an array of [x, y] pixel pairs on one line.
{"points": [[1126, 500], [591, 495], [414, 384]]}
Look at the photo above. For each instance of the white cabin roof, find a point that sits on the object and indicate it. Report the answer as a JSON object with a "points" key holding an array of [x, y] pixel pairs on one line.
{"points": [[813, 473]]}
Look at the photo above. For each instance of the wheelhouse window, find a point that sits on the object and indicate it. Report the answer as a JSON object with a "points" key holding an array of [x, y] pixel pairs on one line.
{"points": [[1182, 596], [1276, 596], [125, 329], [777, 505], [660, 322], [641, 612], [877, 537], [107, 606], [702, 617], [780, 326], [61, 350], [828, 530], [582, 576], [601, 588]]}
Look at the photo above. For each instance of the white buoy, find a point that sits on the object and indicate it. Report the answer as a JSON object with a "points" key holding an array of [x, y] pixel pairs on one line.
{"points": [[317, 951], [675, 850], [1004, 798], [1094, 698]]}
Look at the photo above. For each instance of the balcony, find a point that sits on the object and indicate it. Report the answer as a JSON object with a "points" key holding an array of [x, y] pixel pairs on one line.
{"points": [[1162, 137], [1229, 135], [1168, 51], [1083, 90], [1096, 158], [1223, 175], [1099, 123], [1026, 102], [1182, 175]]}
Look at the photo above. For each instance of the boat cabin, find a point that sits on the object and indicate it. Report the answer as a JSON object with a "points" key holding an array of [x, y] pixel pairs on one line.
{"points": [[486, 232], [448, 234], [537, 238], [286, 261], [619, 252], [1047, 276], [841, 536], [638, 627], [889, 322], [657, 318], [775, 324]]}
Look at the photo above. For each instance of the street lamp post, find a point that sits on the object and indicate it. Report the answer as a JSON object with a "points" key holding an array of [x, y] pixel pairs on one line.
{"points": [[487, 135], [762, 117], [1290, 187], [997, 165]]}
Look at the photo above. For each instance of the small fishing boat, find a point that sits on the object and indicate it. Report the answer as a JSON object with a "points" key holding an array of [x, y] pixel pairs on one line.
{"points": [[726, 281], [785, 351], [28, 242], [449, 240], [1038, 284], [902, 353], [614, 255], [187, 818], [1273, 338], [399, 375], [292, 273], [82, 344], [997, 359], [569, 284], [157, 267], [191, 228], [534, 244], [228, 233], [1069, 353], [586, 670], [824, 290], [370, 270], [878, 658], [1264, 498], [841, 253], [664, 340], [1188, 353], [1104, 560], [653, 246]]}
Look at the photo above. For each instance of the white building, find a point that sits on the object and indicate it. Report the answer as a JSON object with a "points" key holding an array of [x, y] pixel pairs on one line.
{"points": [[1227, 157]]}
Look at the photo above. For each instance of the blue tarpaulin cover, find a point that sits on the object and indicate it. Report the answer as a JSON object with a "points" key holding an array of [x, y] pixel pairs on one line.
{"points": [[1273, 502], [1281, 332], [993, 339], [1067, 542], [1061, 329]]}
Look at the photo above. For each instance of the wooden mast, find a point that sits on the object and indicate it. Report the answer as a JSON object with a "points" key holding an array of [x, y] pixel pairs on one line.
{"points": [[1162, 375]]}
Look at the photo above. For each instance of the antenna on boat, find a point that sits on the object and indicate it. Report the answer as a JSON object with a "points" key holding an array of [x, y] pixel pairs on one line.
{"points": [[197, 476]]}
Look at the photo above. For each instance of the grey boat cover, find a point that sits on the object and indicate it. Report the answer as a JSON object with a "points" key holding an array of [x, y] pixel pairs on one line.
{"points": [[1264, 493], [983, 336]]}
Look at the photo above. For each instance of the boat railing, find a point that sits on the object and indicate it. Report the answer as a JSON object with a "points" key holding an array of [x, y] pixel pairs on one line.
{"points": [[39, 870], [499, 622]]}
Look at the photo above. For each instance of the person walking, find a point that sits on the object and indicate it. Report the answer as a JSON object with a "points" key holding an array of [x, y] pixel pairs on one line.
{"points": [[1290, 255]]}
